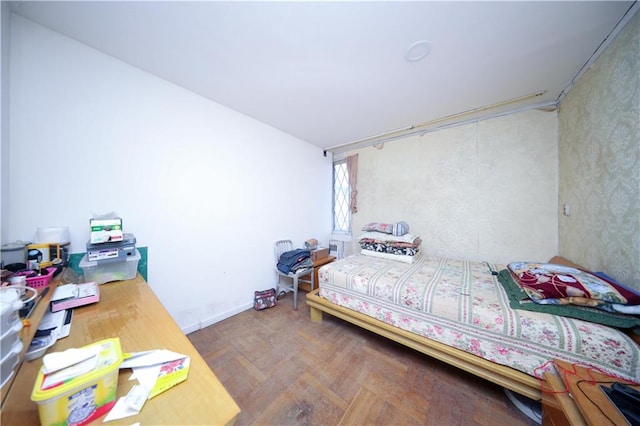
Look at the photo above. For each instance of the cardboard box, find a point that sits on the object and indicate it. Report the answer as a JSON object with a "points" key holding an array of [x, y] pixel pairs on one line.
{"points": [[112, 252], [319, 253], [106, 230]]}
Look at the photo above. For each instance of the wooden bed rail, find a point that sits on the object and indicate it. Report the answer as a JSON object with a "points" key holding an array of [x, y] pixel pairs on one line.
{"points": [[506, 377]]}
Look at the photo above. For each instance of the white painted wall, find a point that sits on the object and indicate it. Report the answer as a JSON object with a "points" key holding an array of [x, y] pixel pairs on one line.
{"points": [[207, 189], [5, 31]]}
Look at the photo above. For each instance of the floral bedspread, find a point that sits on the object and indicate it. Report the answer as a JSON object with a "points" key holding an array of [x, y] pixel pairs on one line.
{"points": [[460, 304]]}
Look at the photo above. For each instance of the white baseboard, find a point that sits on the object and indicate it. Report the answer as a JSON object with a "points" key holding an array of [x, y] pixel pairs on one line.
{"points": [[216, 318], [190, 328]]}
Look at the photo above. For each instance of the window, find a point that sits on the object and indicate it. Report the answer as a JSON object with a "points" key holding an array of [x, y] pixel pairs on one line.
{"points": [[341, 198]]}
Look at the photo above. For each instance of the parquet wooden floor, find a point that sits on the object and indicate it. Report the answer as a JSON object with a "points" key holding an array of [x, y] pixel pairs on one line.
{"points": [[282, 369]]}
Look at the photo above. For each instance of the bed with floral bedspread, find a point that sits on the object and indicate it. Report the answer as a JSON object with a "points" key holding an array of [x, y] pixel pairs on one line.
{"points": [[457, 311]]}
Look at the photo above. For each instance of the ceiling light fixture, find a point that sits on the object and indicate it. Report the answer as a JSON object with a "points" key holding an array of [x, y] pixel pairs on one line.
{"points": [[418, 51]]}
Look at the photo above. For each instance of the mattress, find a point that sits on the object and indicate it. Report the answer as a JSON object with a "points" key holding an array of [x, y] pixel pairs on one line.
{"points": [[461, 304]]}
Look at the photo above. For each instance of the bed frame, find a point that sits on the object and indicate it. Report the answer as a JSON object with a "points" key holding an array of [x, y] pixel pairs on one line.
{"points": [[506, 377]]}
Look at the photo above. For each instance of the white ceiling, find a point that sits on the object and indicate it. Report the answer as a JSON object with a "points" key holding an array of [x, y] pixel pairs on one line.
{"points": [[334, 72]]}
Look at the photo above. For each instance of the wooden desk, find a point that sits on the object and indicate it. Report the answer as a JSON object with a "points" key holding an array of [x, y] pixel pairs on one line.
{"points": [[305, 284], [131, 311]]}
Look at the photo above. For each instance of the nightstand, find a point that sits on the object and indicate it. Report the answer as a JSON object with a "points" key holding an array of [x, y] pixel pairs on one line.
{"points": [[304, 283]]}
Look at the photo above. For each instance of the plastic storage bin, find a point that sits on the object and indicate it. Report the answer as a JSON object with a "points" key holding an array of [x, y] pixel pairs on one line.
{"points": [[112, 271], [10, 326], [84, 398], [10, 305], [9, 338], [10, 362]]}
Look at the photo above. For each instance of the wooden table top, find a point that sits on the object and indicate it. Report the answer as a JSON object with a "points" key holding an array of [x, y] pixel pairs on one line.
{"points": [[587, 404], [131, 311], [323, 261]]}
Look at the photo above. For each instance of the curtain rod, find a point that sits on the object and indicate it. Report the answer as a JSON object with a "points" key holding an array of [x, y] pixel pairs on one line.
{"points": [[438, 123], [431, 126]]}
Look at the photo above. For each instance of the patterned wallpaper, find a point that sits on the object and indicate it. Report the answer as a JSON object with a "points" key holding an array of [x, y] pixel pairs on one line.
{"points": [[599, 154], [482, 191]]}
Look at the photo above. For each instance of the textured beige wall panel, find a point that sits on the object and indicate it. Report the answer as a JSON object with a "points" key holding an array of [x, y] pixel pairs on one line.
{"points": [[484, 191]]}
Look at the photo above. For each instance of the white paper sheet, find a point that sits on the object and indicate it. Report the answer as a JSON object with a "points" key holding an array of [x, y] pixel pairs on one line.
{"points": [[66, 291]]}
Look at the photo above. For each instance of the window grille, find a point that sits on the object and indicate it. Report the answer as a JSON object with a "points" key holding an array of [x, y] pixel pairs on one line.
{"points": [[341, 196]]}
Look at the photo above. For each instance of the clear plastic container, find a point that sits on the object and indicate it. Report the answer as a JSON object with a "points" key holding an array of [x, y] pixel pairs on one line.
{"points": [[111, 271]]}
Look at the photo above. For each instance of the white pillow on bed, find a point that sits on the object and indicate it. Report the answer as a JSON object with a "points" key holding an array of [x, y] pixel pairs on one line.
{"points": [[389, 256]]}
